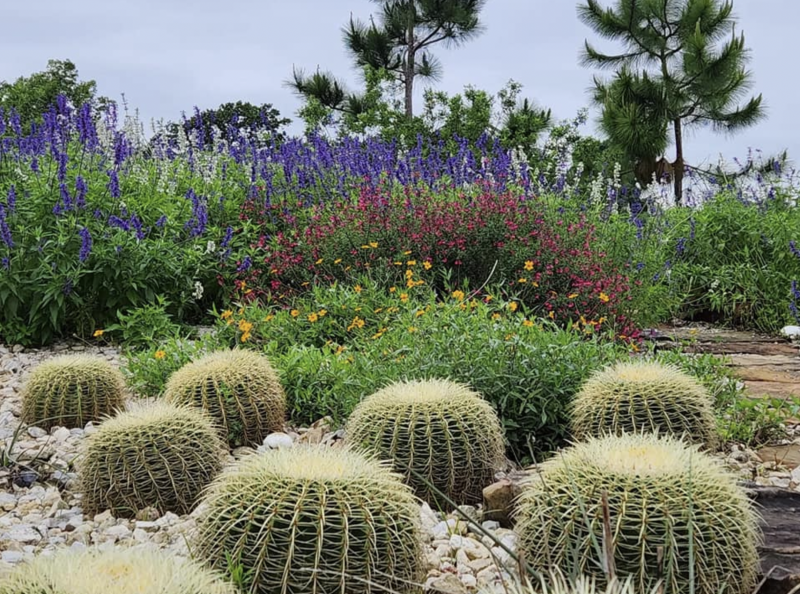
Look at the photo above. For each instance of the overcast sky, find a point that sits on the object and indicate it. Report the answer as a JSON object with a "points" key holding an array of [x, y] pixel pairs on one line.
{"points": [[167, 56]]}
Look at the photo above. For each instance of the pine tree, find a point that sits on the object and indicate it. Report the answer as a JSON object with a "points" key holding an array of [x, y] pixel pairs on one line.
{"points": [[399, 44], [682, 66]]}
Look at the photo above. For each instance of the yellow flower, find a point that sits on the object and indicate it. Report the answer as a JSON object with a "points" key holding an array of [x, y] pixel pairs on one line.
{"points": [[357, 288], [337, 261], [527, 323], [294, 313], [392, 289], [312, 317], [226, 314], [346, 268], [552, 315], [404, 297], [409, 273], [269, 318], [412, 329], [159, 354], [495, 316], [245, 336], [398, 263], [427, 265], [528, 264], [420, 313], [318, 261], [572, 296], [356, 323], [373, 244], [323, 313], [340, 349], [245, 326], [535, 284], [604, 298], [411, 263], [407, 252], [513, 306], [458, 295], [98, 333], [522, 281]]}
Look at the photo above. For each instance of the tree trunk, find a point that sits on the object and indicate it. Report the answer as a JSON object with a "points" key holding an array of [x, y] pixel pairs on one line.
{"points": [[678, 165], [409, 75]]}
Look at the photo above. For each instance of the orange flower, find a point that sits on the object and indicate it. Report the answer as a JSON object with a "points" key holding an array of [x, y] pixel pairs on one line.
{"points": [[226, 314], [458, 295], [527, 323], [294, 313], [404, 297], [495, 316], [159, 354]]}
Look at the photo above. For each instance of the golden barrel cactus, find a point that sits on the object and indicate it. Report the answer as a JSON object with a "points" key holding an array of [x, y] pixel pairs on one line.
{"points": [[313, 519], [636, 396], [675, 514], [238, 388], [71, 390], [154, 455], [118, 571], [440, 429]]}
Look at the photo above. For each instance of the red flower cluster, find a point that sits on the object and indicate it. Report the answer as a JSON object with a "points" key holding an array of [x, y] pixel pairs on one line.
{"points": [[550, 264]]}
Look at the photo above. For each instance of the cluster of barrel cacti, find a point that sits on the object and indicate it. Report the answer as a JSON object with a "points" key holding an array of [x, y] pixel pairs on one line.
{"points": [[635, 497]]}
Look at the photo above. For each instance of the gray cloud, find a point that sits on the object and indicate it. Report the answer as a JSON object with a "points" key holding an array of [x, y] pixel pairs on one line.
{"points": [[167, 56]]}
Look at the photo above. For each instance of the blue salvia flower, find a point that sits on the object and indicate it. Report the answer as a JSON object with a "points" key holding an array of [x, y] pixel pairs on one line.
{"points": [[86, 244], [113, 183], [245, 265], [161, 221], [67, 287], [80, 192], [6, 263], [199, 219], [11, 201], [227, 239], [35, 165], [793, 248], [136, 223], [5, 232], [115, 221], [681, 245]]}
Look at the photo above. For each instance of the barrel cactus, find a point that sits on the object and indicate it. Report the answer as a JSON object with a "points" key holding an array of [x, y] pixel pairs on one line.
{"points": [[238, 388], [71, 390], [440, 429], [644, 396], [675, 515], [154, 455], [312, 519], [117, 571]]}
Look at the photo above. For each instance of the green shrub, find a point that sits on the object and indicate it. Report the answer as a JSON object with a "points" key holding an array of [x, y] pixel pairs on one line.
{"points": [[313, 519], [153, 455], [117, 571], [239, 389], [435, 428], [644, 395], [675, 514], [70, 391]]}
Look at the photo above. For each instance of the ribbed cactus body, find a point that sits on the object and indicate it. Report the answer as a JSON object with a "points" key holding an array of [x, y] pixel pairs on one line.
{"points": [[440, 429], [238, 388], [71, 390], [673, 511], [153, 455], [117, 571], [313, 519], [647, 396]]}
